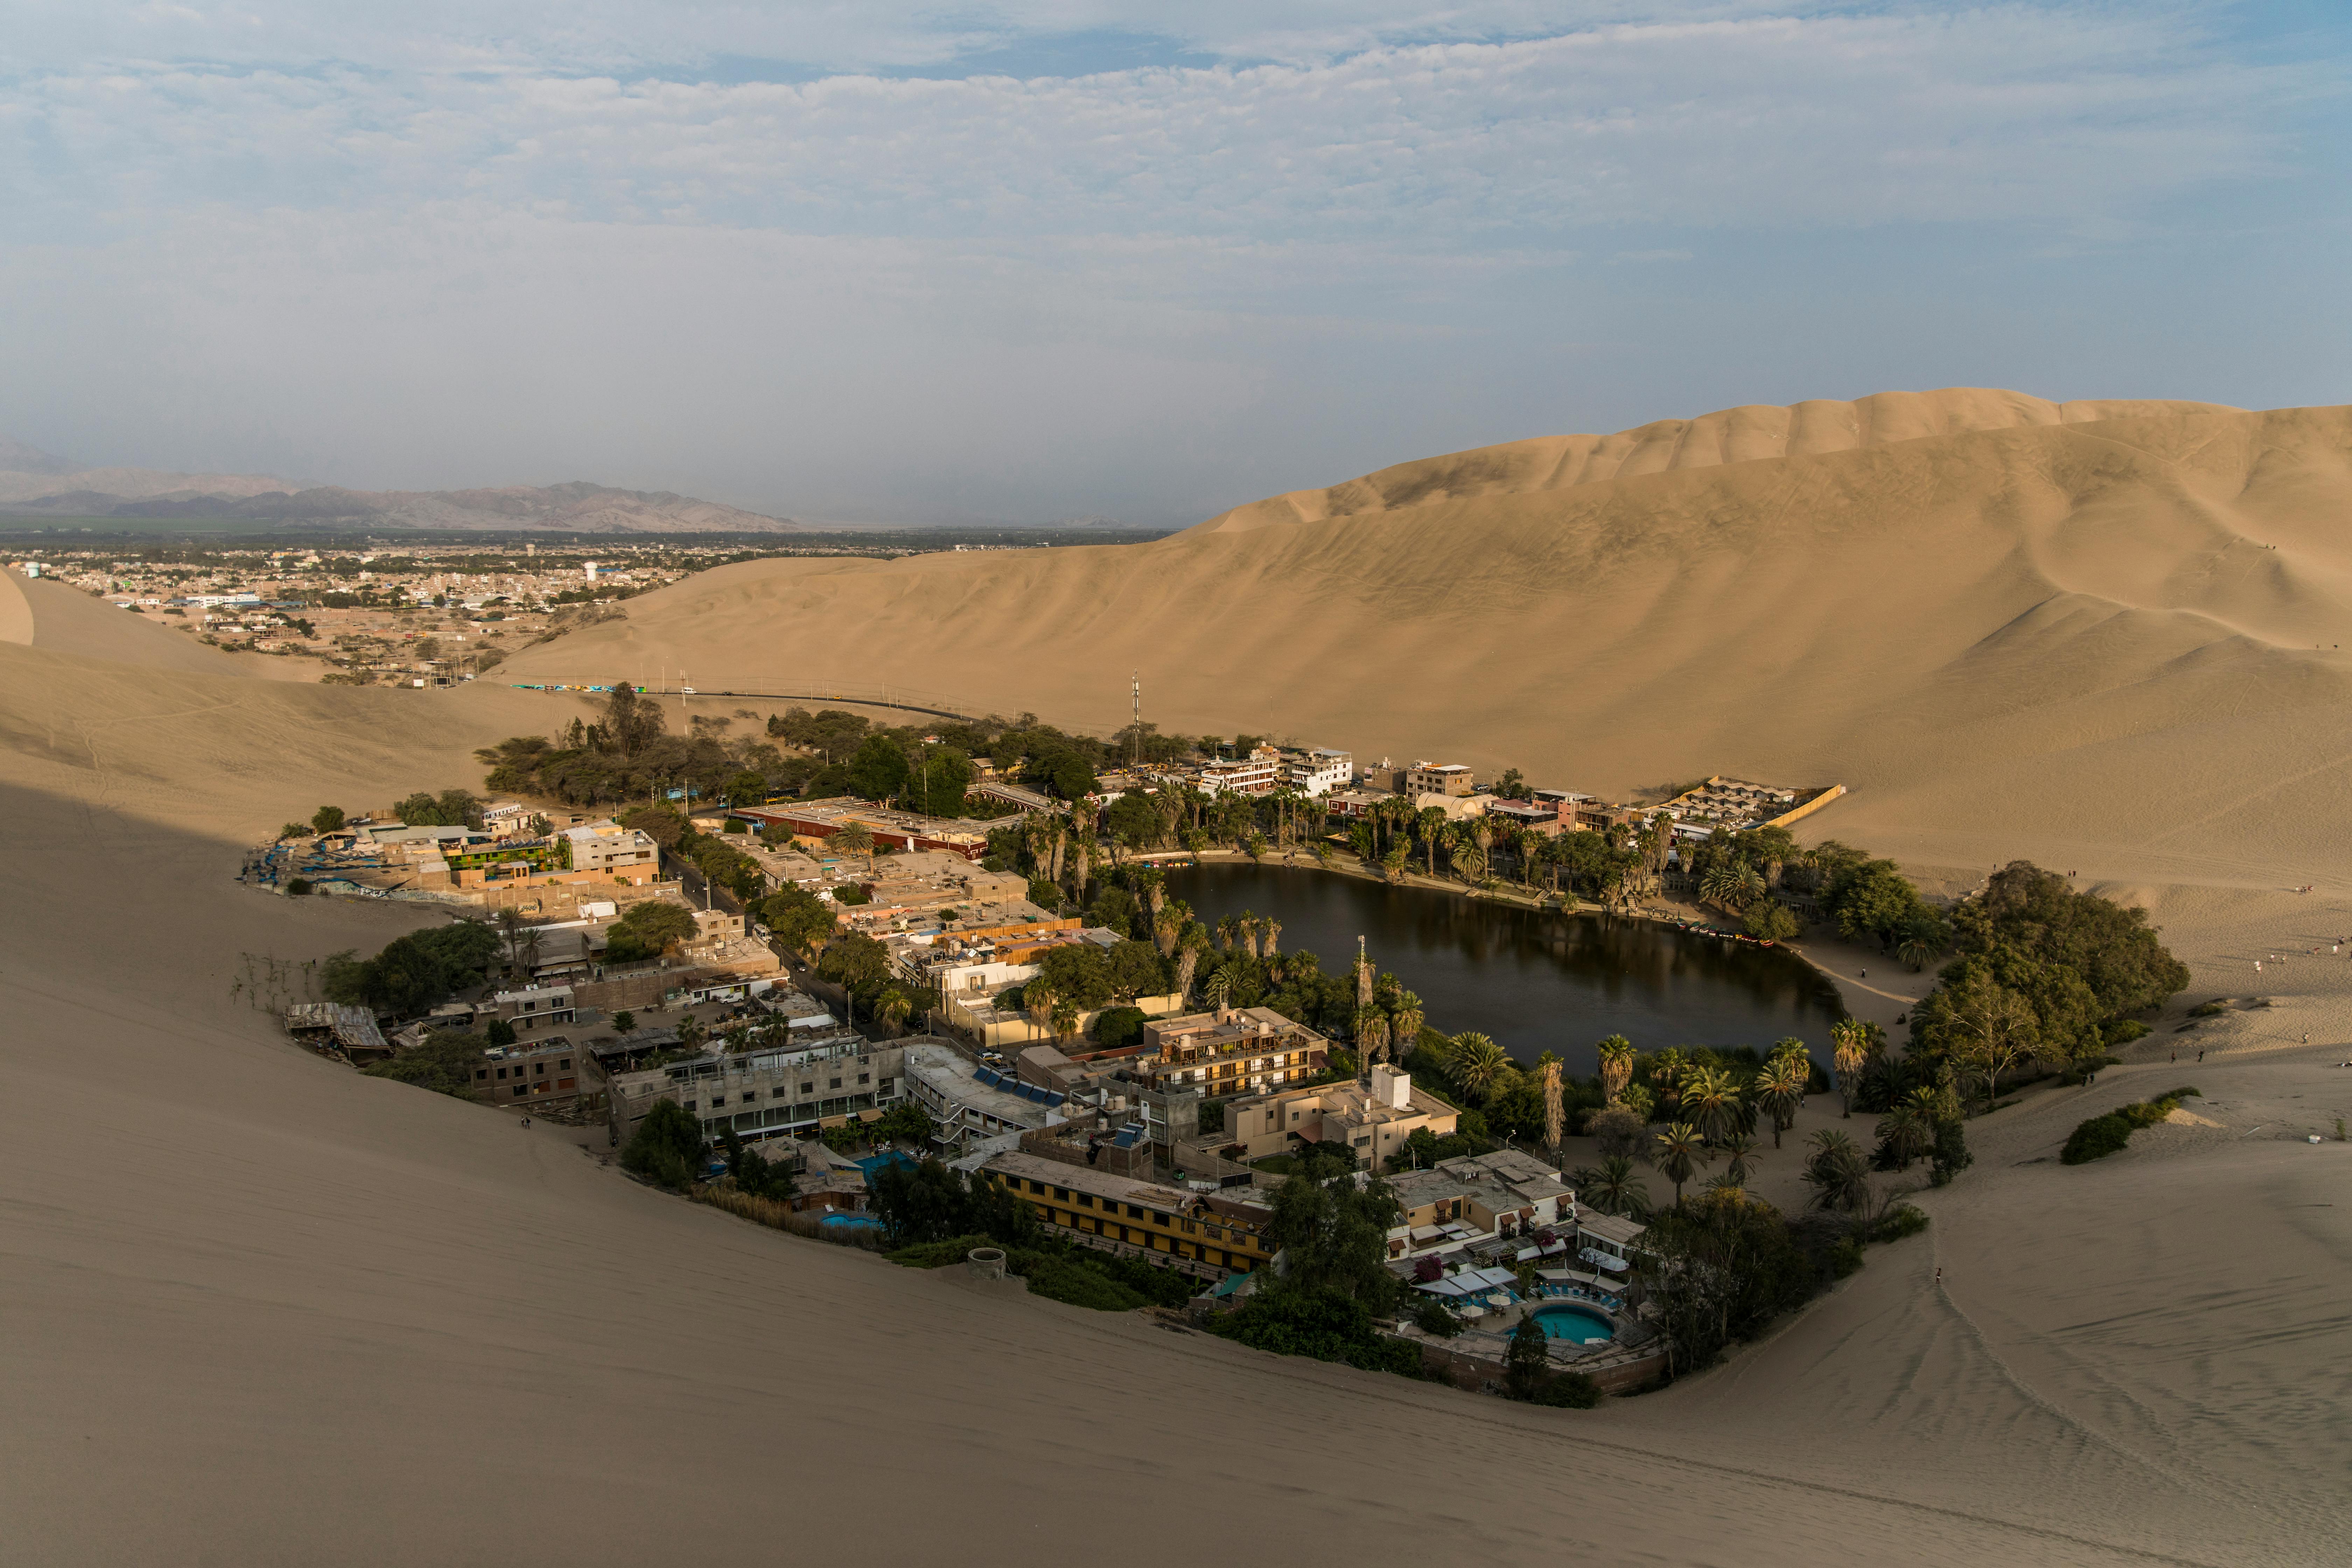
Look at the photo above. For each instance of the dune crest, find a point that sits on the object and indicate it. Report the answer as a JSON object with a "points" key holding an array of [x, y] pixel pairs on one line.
{"points": [[1750, 433]]}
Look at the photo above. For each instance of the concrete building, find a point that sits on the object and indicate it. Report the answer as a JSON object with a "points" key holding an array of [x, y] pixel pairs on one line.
{"points": [[1257, 773], [1234, 1050], [1317, 772], [1437, 778], [533, 1009], [541, 1072], [1373, 1121], [789, 1090], [971, 1102], [607, 849], [1502, 1196], [1209, 1234]]}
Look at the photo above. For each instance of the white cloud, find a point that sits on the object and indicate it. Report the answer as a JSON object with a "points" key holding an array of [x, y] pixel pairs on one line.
{"points": [[442, 243]]}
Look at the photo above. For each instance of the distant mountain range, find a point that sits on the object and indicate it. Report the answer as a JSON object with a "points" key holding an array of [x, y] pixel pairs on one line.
{"points": [[34, 483]]}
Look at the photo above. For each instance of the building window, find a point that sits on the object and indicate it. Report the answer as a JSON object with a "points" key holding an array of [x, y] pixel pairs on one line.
{"points": [[502, 1073], [539, 1070], [565, 1064], [864, 1077], [481, 1074], [833, 1083], [522, 1089], [808, 1088], [689, 1105], [1063, 1194]]}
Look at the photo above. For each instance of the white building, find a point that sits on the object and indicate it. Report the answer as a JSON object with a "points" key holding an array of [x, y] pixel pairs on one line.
{"points": [[1257, 773], [1319, 772], [625, 852]]}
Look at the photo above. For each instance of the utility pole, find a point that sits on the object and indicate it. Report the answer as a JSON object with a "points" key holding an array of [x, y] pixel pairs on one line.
{"points": [[1135, 689]]}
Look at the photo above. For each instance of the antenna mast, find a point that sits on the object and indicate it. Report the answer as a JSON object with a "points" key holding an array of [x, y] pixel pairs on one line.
{"points": [[1135, 689]]}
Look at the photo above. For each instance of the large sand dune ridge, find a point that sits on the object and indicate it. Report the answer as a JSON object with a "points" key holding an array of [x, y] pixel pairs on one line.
{"points": [[2081, 636]]}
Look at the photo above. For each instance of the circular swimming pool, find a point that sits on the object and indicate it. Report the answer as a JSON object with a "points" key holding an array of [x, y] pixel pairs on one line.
{"points": [[1579, 1325]]}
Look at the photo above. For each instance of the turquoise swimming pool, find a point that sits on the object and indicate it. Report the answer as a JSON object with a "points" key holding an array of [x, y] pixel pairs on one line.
{"points": [[1581, 1325]]}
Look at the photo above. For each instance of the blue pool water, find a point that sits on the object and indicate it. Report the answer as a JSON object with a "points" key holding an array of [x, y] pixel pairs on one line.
{"points": [[864, 1222], [873, 1163], [1583, 1325]]}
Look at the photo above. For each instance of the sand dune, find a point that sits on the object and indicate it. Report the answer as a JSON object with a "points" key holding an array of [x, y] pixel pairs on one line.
{"points": [[2086, 639], [321, 1317], [260, 1309]]}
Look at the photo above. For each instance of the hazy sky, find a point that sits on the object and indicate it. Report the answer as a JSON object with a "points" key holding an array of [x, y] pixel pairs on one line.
{"points": [[1035, 260]]}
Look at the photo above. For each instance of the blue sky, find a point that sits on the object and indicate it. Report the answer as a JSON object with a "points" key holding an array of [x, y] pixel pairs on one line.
{"points": [[1025, 262]]}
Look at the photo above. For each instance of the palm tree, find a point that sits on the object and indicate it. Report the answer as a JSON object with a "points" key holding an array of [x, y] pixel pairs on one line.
{"points": [[1190, 944], [1678, 1151], [1667, 1071], [1906, 1134], [1713, 1101], [1168, 926], [1038, 999], [1404, 1025], [1554, 1124], [1721, 884], [1227, 928], [1779, 1092], [1852, 1039], [1837, 1172], [1220, 988], [1066, 1019], [1271, 930], [1612, 1187], [1371, 1035], [1739, 1146], [1616, 1066], [1429, 828], [1247, 929], [1475, 1061], [893, 1010]]}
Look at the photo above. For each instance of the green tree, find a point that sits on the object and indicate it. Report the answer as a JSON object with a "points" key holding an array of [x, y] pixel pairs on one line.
{"points": [[499, 1032], [797, 918], [858, 965], [326, 819], [1080, 972], [666, 1147], [1333, 1238], [879, 771]]}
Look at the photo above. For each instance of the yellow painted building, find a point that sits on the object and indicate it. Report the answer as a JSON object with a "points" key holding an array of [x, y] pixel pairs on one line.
{"points": [[1208, 1234]]}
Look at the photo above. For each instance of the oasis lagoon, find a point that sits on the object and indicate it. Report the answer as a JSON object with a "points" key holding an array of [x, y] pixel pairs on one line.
{"points": [[1536, 980]]}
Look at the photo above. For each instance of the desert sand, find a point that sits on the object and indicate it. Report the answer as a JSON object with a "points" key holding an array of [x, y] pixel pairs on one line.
{"points": [[260, 1309]]}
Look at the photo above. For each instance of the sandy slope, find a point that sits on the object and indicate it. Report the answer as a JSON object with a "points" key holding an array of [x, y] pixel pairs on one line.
{"points": [[261, 1310], [2111, 643]]}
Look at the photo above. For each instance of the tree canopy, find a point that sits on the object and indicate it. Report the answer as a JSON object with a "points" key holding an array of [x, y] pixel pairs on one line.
{"points": [[413, 972]]}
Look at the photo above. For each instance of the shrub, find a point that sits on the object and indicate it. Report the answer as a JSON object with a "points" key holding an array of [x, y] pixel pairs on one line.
{"points": [[2209, 1009], [1434, 1317], [2095, 1140], [1902, 1220], [2122, 1031], [1569, 1390], [1071, 1281], [1321, 1324], [938, 1253], [299, 887]]}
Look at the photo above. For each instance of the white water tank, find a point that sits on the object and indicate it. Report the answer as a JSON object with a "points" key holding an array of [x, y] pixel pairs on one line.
{"points": [[1392, 1087]]}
